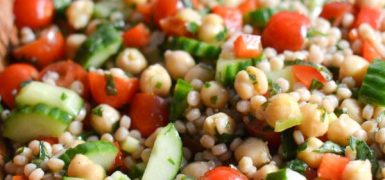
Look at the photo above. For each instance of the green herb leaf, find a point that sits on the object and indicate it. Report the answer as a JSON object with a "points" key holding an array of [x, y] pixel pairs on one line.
{"points": [[192, 27], [98, 111], [158, 85], [187, 4], [330, 147], [381, 117], [302, 147], [225, 138], [339, 111], [63, 96], [315, 84], [274, 88], [207, 84], [110, 85], [364, 152], [42, 154], [297, 165], [169, 159], [289, 147], [313, 32], [324, 116], [261, 17], [221, 35], [213, 99], [20, 150]]}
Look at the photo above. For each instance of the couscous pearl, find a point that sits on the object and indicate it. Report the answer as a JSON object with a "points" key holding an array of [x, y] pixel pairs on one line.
{"points": [[343, 93], [219, 149], [66, 139], [243, 106], [20, 160], [107, 137], [180, 126], [121, 134], [36, 174], [34, 146], [193, 98], [55, 164], [29, 168], [207, 141], [125, 122], [57, 148], [136, 134], [284, 84], [368, 111], [197, 84], [380, 136], [193, 114], [75, 128], [298, 137], [246, 165], [276, 63], [349, 81], [190, 127], [330, 87]]}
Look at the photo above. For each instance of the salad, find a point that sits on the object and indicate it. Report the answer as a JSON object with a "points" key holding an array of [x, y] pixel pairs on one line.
{"points": [[194, 89]]}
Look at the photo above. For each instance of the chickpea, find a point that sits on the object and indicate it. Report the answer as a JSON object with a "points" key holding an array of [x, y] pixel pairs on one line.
{"points": [[268, 3], [212, 19], [254, 148], [136, 2], [314, 122], [73, 42], [264, 171], [219, 123], [178, 63], [354, 66], [131, 60], [313, 159], [189, 15], [231, 3], [251, 82], [371, 3], [104, 118], [358, 169], [212, 25], [353, 108], [197, 169], [79, 13], [282, 107], [155, 79], [341, 129], [214, 95], [200, 71], [81, 166]]}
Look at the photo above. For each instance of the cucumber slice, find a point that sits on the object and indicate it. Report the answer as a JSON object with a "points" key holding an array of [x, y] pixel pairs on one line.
{"points": [[285, 174], [372, 90], [166, 155], [100, 152], [99, 46], [196, 48], [179, 100], [117, 175], [31, 122], [37, 92]]}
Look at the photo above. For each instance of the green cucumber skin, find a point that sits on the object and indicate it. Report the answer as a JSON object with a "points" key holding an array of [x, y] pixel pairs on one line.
{"points": [[100, 152], [179, 101], [37, 92], [285, 174], [261, 17], [196, 48], [372, 90], [31, 122], [166, 155], [99, 46]]}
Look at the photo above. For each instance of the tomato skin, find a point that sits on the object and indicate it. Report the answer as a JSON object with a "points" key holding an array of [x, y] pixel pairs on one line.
{"points": [[174, 26], [163, 9], [43, 51], [334, 11], [371, 16], [33, 13], [223, 173], [286, 31], [69, 72], [11, 79], [232, 17], [306, 74], [137, 36], [148, 112], [125, 88]]}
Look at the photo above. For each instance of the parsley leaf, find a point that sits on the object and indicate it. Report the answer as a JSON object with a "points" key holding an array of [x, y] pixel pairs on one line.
{"points": [[97, 111], [42, 154], [221, 35], [381, 117], [364, 152], [289, 147], [274, 88], [192, 27], [340, 111], [330, 147], [313, 32], [63, 96], [110, 85], [158, 85], [297, 165], [213, 99], [315, 84], [302, 147]]}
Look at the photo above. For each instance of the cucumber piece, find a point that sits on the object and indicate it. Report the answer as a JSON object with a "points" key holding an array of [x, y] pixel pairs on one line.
{"points": [[99, 46], [31, 122], [196, 48], [166, 155], [179, 100], [286, 124], [285, 174], [261, 17], [372, 90], [322, 69], [37, 92], [72, 178], [100, 152], [117, 175]]}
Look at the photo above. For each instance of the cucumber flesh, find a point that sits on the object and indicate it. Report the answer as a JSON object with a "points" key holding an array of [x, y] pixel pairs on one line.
{"points": [[179, 100], [286, 72], [117, 175], [372, 90], [196, 48], [285, 174], [100, 152], [166, 155], [37, 92], [31, 122]]}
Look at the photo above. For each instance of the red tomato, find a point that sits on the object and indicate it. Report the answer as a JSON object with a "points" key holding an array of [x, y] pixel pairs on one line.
{"points": [[334, 11], [163, 9], [11, 79], [247, 46], [148, 112], [306, 74], [332, 166], [33, 13], [247, 6], [259, 128], [371, 16], [223, 173], [145, 11], [174, 26], [118, 159], [125, 89], [137, 36], [43, 51], [69, 72], [232, 17], [286, 31], [369, 52]]}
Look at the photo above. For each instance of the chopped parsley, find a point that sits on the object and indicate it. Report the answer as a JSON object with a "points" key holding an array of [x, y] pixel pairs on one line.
{"points": [[302, 147], [110, 85], [313, 32], [221, 35], [364, 152], [192, 27], [97, 111], [324, 116], [380, 117], [315, 84], [297, 165], [253, 78], [169, 159], [42, 154], [213, 99], [20, 150], [207, 85], [63, 96], [274, 88], [340, 111], [330, 147], [158, 85]]}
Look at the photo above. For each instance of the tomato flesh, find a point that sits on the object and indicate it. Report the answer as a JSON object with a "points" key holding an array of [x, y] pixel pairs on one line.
{"points": [[247, 46], [371, 16], [163, 9], [138, 36], [33, 13], [223, 173], [306, 74], [231, 16], [334, 11], [286, 31]]}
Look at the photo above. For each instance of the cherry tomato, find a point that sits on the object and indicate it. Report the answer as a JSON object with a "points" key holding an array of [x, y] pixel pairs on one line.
{"points": [[223, 173], [69, 72], [43, 51], [163, 9], [334, 11], [33, 13], [286, 31], [12, 78], [124, 89], [148, 112]]}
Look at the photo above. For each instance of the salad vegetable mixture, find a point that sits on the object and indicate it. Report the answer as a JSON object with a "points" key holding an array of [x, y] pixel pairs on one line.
{"points": [[195, 89]]}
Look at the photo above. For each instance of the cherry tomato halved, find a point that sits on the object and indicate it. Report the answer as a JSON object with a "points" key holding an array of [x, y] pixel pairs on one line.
{"points": [[33, 13], [43, 51], [69, 72], [286, 31], [148, 112], [12, 78], [223, 173], [371, 16], [125, 89]]}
